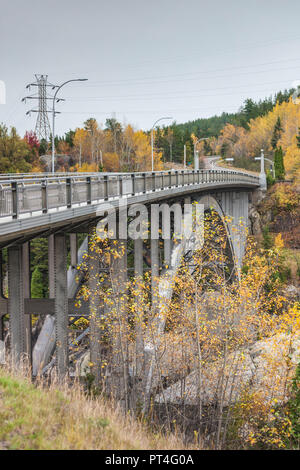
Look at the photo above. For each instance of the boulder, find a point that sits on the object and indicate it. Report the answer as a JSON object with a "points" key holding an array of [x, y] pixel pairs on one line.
{"points": [[255, 220], [291, 292], [265, 367]]}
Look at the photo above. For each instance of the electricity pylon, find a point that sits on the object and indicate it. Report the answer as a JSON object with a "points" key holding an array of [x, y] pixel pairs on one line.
{"points": [[42, 127]]}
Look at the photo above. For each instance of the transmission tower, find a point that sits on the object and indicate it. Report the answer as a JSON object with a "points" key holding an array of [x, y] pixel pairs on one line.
{"points": [[42, 127]]}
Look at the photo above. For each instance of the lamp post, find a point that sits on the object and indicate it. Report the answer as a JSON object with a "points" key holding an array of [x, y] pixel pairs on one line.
{"points": [[262, 175], [53, 118], [196, 159], [152, 144]]}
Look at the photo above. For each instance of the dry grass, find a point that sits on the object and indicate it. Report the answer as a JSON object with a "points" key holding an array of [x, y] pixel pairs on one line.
{"points": [[58, 417]]}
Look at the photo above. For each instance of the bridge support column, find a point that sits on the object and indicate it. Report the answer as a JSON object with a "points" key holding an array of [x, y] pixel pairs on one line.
{"points": [[232, 206], [51, 266], [154, 272], [120, 331], [96, 310], [61, 304], [16, 303], [138, 272], [166, 225], [73, 249], [119, 269], [2, 297], [27, 295], [167, 252], [154, 254], [235, 207]]}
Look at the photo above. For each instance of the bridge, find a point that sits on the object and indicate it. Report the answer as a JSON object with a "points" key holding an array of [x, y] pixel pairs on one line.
{"points": [[66, 204]]}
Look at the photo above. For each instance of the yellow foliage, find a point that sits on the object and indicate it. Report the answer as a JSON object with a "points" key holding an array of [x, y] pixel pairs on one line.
{"points": [[86, 168], [111, 161], [249, 143], [278, 242]]}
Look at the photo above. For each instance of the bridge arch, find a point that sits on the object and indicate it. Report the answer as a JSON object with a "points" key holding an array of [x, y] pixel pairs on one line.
{"points": [[233, 209], [210, 202]]}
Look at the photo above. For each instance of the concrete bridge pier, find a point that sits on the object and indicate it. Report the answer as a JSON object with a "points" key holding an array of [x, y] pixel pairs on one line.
{"points": [[119, 359], [235, 207], [232, 208], [138, 273], [16, 303], [154, 252], [95, 308], [61, 304], [27, 295]]}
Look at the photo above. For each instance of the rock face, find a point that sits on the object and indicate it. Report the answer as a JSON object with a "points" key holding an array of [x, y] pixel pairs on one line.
{"points": [[292, 293], [255, 222], [265, 368], [83, 365]]}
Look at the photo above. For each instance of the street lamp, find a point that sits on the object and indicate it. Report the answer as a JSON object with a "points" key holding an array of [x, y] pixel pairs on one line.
{"points": [[196, 159], [262, 168], [160, 119], [262, 176], [53, 117]]}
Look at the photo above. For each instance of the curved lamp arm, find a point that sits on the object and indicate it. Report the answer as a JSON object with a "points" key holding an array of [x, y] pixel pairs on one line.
{"points": [[53, 117]]}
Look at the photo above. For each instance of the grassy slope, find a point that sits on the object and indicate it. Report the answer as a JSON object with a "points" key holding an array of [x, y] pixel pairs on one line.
{"points": [[32, 417]]}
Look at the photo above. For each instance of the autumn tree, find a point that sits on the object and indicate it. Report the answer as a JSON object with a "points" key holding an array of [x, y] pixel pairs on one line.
{"points": [[16, 155], [91, 126], [80, 144], [115, 129], [32, 140]]}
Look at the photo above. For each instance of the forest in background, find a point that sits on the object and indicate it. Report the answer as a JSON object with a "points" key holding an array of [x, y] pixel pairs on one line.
{"points": [[272, 124]]}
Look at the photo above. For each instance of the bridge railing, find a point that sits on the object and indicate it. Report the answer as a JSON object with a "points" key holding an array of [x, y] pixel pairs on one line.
{"points": [[33, 194]]}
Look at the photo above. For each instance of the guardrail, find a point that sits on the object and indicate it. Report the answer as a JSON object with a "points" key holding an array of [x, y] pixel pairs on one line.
{"points": [[30, 194]]}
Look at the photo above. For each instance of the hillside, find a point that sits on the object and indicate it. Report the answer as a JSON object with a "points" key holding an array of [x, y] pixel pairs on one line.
{"points": [[55, 418]]}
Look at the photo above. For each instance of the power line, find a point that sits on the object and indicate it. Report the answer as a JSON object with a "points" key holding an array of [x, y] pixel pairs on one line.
{"points": [[177, 94], [158, 79], [196, 52]]}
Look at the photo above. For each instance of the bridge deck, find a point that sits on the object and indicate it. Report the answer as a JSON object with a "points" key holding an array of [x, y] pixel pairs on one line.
{"points": [[34, 203]]}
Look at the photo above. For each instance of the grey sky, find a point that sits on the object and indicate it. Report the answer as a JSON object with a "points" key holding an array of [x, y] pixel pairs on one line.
{"points": [[146, 59]]}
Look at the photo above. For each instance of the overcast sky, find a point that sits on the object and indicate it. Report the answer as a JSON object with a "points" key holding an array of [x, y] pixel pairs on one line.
{"points": [[146, 59]]}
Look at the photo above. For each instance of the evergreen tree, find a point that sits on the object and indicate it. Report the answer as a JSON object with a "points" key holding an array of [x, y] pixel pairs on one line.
{"points": [[207, 148], [250, 109], [43, 148], [298, 138], [39, 260], [267, 239], [223, 150], [37, 291], [69, 137], [270, 178], [279, 164], [276, 133]]}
